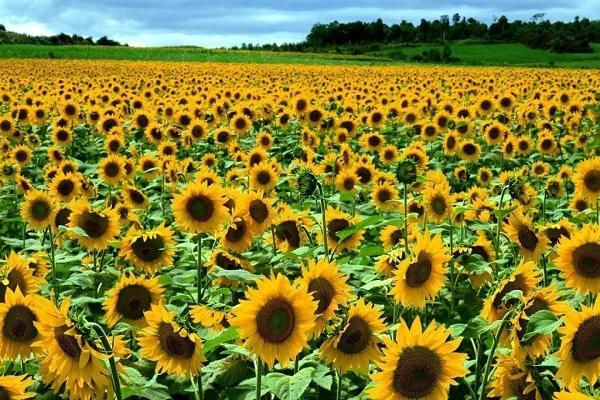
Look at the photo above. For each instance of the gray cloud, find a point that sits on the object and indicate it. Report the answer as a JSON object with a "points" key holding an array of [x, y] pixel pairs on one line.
{"points": [[229, 22]]}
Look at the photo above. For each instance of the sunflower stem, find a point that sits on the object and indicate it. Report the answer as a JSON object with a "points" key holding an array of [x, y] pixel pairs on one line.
{"points": [[499, 223], [488, 364], [544, 207], [338, 389], [405, 191], [323, 218], [296, 363], [199, 275], [259, 372], [274, 242], [111, 361], [24, 234], [52, 258]]}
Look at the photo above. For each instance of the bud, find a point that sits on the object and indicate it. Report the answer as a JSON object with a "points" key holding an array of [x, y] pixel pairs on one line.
{"points": [[307, 182], [406, 171]]}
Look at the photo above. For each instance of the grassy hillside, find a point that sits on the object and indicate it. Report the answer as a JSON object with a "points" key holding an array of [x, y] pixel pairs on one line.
{"points": [[468, 53]]}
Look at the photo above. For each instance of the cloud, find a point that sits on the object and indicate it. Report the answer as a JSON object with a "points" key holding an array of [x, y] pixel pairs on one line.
{"points": [[230, 22]]}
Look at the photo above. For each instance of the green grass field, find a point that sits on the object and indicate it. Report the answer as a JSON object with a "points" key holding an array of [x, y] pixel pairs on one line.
{"points": [[468, 53]]}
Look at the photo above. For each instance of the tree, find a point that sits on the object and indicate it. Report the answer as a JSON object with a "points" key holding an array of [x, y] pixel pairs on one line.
{"points": [[2, 28]]}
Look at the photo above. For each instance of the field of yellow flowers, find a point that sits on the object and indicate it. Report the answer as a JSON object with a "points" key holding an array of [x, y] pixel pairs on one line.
{"points": [[228, 231]]}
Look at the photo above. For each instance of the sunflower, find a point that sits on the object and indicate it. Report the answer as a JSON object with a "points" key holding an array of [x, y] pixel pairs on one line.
{"points": [[38, 264], [112, 169], [289, 226], [114, 143], [130, 298], [18, 314], [565, 395], [356, 344], [578, 258], [14, 387], [210, 318], [387, 264], [99, 227], [484, 176], [346, 181], [420, 278], [336, 221], [149, 165], [275, 319], [438, 203], [200, 208], [70, 363], [238, 236], [328, 287], [174, 349], [469, 150], [524, 278], [263, 176], [21, 155], [391, 236], [65, 187], [61, 136], [385, 197], [388, 154], [135, 198], [520, 230], [542, 299], [259, 209], [150, 250], [587, 179], [37, 209], [579, 352], [420, 364], [513, 381]]}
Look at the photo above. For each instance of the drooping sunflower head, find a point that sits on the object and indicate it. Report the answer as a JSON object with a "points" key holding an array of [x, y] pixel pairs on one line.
{"points": [[512, 379], [419, 278], [329, 289], [290, 229], [521, 231], [421, 364], [524, 278], [100, 227], [14, 387], [356, 344], [238, 236], [336, 222], [275, 319]]}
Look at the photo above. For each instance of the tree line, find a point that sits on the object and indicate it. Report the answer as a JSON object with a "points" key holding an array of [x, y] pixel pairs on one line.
{"points": [[537, 32], [8, 37]]}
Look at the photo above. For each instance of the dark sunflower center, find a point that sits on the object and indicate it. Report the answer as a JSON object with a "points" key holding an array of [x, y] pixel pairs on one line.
{"points": [[486, 105], [114, 145], [112, 169], [592, 180], [21, 156], [336, 225], [65, 187], [5, 125], [62, 217], [4, 394], [149, 249], [480, 250], [364, 175], [494, 133], [174, 344], [469, 149], [225, 262], [276, 320], [40, 210], [586, 342], [133, 300], [222, 137], [69, 345], [518, 283], [355, 337], [240, 123], [136, 196], [384, 195], [396, 236], [554, 234], [323, 293], [200, 208], [536, 305], [315, 115], [18, 324], [546, 144], [258, 210], [417, 372], [374, 141], [94, 224], [438, 204], [527, 238], [419, 271], [586, 260], [451, 142], [236, 231], [255, 159], [349, 183], [263, 177], [288, 230], [70, 110]]}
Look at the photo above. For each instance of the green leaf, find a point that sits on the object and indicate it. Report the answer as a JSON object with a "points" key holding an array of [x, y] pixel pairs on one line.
{"points": [[365, 223], [542, 322], [287, 387], [370, 251], [235, 275], [375, 283], [227, 335]]}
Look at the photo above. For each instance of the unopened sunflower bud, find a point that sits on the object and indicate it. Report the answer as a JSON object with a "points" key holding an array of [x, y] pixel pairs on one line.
{"points": [[307, 182]]}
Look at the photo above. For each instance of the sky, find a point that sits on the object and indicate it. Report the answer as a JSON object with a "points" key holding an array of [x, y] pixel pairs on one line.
{"points": [[225, 23]]}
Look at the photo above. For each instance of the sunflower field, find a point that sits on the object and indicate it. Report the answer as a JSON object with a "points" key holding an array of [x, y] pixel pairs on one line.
{"points": [[229, 231]]}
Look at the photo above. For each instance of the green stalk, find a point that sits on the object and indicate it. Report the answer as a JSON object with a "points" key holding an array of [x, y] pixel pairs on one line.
{"points": [[451, 265], [199, 275], [405, 220], [52, 257], [259, 372], [323, 219], [111, 361], [338, 389], [488, 364], [499, 224]]}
